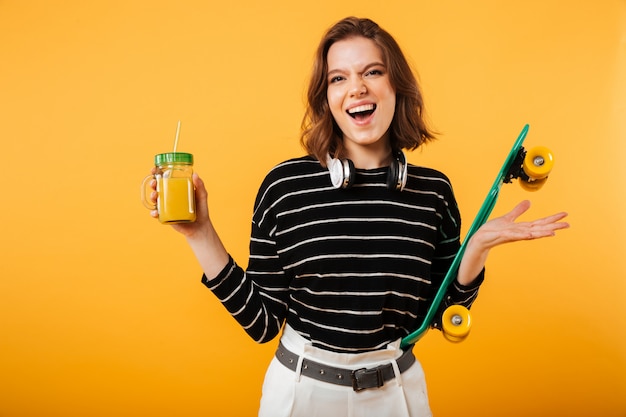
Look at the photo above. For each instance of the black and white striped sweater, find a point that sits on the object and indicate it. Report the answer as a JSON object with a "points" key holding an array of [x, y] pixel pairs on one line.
{"points": [[351, 270]]}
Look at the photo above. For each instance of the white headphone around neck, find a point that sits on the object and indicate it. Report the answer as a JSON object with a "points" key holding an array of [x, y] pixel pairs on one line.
{"points": [[342, 172]]}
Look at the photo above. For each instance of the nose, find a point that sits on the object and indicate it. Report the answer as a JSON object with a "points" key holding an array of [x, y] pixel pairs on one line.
{"points": [[358, 88]]}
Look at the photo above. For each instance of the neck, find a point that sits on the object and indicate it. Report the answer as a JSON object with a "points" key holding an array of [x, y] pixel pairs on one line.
{"points": [[370, 157]]}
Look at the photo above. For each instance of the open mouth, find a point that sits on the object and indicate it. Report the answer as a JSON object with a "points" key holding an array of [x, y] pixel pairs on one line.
{"points": [[362, 112]]}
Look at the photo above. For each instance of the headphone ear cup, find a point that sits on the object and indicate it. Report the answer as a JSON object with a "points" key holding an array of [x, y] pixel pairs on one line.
{"points": [[403, 171], [335, 169], [397, 173], [342, 172], [393, 174], [349, 173]]}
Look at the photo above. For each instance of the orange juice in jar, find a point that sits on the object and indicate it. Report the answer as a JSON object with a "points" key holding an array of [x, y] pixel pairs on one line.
{"points": [[175, 192]]}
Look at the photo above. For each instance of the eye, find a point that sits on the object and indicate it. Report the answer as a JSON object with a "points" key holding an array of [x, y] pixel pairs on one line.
{"points": [[335, 79], [374, 72]]}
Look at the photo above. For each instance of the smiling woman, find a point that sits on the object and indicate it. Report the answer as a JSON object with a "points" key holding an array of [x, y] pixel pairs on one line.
{"points": [[101, 309], [347, 273], [352, 57], [362, 101]]}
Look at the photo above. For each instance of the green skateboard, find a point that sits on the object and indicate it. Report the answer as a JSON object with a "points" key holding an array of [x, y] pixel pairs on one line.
{"points": [[531, 168]]}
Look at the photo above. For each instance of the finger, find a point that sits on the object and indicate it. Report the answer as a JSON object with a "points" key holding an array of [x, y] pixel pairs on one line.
{"points": [[517, 211], [552, 227], [552, 219], [540, 230], [197, 181], [201, 191], [201, 197]]}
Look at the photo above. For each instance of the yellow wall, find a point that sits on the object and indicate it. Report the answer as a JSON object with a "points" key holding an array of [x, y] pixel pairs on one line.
{"points": [[101, 308]]}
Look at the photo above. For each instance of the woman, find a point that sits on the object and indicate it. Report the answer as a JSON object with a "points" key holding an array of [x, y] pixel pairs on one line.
{"points": [[349, 243]]}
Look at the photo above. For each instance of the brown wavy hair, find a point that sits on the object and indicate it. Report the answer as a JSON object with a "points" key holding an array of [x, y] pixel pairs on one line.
{"points": [[321, 134]]}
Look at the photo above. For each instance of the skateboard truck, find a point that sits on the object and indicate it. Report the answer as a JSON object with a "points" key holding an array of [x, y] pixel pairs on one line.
{"points": [[516, 171]]}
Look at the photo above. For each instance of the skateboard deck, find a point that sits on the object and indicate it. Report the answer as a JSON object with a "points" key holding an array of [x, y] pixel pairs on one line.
{"points": [[515, 166]]}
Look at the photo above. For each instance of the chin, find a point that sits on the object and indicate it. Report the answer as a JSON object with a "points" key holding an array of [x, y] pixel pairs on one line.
{"points": [[370, 139]]}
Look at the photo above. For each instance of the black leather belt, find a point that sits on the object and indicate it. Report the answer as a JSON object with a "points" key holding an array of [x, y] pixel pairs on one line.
{"points": [[358, 379]]}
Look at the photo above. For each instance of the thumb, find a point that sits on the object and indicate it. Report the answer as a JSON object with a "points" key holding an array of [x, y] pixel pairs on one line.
{"points": [[517, 211], [201, 192], [202, 196]]}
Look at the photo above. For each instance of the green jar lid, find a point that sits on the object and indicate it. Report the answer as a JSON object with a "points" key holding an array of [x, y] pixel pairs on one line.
{"points": [[173, 158]]}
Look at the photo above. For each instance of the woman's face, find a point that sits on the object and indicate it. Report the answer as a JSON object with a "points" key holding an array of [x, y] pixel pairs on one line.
{"points": [[360, 96]]}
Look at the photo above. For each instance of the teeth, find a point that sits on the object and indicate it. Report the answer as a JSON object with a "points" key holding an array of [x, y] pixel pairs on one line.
{"points": [[359, 109]]}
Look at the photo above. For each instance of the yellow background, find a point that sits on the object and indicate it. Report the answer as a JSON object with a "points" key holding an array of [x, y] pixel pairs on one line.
{"points": [[101, 308]]}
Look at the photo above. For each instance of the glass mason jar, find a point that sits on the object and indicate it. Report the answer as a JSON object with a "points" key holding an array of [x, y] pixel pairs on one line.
{"points": [[175, 192]]}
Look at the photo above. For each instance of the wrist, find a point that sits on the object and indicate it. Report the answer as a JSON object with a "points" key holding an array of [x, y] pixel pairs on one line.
{"points": [[473, 262]]}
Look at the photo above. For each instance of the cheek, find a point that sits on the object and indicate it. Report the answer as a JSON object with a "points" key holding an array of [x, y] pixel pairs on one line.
{"points": [[334, 103], [390, 106]]}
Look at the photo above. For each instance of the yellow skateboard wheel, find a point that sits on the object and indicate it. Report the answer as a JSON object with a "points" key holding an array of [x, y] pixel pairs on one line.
{"points": [[532, 185], [538, 162], [456, 323], [454, 339]]}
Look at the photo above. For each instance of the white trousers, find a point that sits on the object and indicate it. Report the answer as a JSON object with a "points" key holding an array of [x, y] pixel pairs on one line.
{"points": [[288, 394]]}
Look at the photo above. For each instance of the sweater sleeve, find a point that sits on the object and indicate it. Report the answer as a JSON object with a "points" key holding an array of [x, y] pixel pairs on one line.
{"points": [[256, 297], [447, 247]]}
